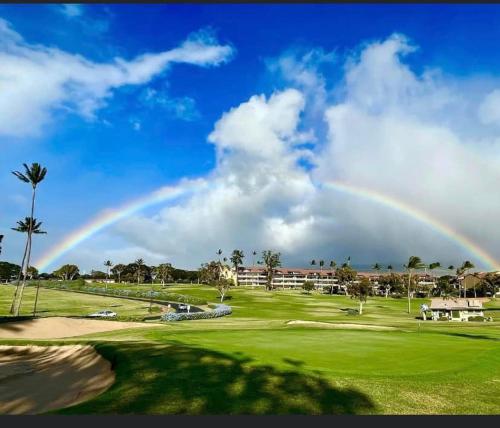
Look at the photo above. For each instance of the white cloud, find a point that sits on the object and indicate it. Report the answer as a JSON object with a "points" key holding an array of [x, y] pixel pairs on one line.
{"points": [[390, 129], [71, 10], [183, 108], [54, 80], [489, 110]]}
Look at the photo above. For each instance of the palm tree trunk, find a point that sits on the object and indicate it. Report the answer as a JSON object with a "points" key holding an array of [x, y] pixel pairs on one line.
{"points": [[13, 305], [30, 233], [409, 301], [36, 298], [360, 307]]}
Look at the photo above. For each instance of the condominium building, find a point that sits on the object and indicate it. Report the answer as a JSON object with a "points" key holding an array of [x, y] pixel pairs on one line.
{"points": [[283, 277]]}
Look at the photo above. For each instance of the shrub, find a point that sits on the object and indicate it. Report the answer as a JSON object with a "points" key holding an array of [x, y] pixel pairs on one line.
{"points": [[219, 311], [477, 318], [443, 319]]}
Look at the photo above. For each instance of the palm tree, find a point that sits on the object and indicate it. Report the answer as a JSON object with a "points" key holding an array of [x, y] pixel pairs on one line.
{"points": [[466, 266], [433, 266], [109, 265], [32, 175], [24, 227], [219, 252], [414, 262], [1, 239], [333, 265], [237, 260], [321, 264], [139, 263], [254, 253], [376, 267]]}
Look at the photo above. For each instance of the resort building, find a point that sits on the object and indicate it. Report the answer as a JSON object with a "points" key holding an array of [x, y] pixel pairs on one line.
{"points": [[283, 277], [456, 309]]}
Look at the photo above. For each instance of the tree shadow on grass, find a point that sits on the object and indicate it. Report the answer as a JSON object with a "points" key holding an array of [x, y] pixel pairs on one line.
{"points": [[178, 379], [473, 336]]}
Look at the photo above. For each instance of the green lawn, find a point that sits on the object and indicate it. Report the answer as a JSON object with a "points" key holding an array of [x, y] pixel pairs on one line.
{"points": [[63, 303], [253, 362]]}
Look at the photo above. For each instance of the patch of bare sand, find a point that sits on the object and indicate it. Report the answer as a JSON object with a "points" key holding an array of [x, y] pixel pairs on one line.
{"points": [[61, 327], [36, 379], [341, 325]]}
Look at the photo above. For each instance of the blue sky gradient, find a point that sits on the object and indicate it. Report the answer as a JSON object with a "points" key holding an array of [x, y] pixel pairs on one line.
{"points": [[148, 135]]}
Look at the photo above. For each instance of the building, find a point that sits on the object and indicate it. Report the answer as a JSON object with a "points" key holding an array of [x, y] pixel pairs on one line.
{"points": [[283, 277], [455, 309]]}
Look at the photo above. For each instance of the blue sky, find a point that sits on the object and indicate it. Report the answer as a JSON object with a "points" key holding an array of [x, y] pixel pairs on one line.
{"points": [[105, 145]]}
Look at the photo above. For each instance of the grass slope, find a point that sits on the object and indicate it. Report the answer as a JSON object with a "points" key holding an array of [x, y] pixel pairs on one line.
{"points": [[252, 362]]}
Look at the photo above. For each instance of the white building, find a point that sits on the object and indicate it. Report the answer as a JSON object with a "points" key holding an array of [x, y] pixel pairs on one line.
{"points": [[283, 277]]}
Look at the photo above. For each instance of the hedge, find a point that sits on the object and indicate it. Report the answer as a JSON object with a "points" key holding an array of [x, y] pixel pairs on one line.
{"points": [[119, 292], [219, 311]]}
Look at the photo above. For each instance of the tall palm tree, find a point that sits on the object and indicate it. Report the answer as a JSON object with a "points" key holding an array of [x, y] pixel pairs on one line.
{"points": [[433, 266], [333, 265], [33, 175], [109, 265], [24, 227], [466, 266], [219, 252], [376, 267], [321, 264], [1, 239], [254, 253], [139, 263], [237, 260], [414, 262]]}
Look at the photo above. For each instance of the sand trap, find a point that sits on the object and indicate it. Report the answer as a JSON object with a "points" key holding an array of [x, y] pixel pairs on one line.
{"points": [[60, 327], [36, 379], [339, 325]]}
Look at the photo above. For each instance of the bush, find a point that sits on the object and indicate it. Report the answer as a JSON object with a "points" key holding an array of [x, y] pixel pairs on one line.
{"points": [[443, 319], [219, 311], [477, 318]]}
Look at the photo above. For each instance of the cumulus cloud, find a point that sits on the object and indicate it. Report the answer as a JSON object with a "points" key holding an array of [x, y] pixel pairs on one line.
{"points": [[37, 81], [390, 129]]}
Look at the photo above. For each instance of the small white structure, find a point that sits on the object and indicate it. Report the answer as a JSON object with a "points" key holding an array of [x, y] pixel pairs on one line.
{"points": [[456, 309]]}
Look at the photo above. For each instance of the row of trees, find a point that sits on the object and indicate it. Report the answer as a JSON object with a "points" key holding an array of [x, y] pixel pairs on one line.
{"points": [[136, 271]]}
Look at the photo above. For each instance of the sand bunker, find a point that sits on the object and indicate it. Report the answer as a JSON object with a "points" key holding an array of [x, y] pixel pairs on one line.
{"points": [[36, 379], [339, 325], [60, 327]]}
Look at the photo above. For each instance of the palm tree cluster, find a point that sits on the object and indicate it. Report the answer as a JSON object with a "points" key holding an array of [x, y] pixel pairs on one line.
{"points": [[32, 175]]}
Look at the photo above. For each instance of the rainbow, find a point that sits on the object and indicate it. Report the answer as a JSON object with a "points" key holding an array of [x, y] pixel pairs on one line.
{"points": [[108, 217], [381, 198]]}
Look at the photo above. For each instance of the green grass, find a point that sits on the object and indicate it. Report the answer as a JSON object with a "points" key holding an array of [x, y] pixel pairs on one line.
{"points": [[63, 303], [252, 362]]}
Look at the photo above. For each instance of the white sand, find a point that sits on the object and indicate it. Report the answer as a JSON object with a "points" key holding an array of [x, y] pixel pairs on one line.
{"points": [[60, 327], [36, 379], [340, 325]]}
